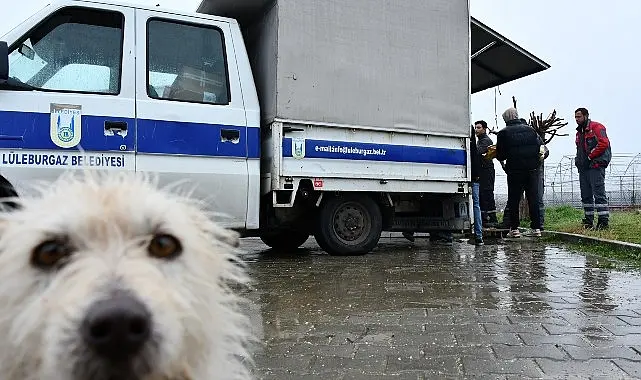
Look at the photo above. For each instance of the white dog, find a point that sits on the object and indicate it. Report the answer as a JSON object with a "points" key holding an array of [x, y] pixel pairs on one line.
{"points": [[107, 277]]}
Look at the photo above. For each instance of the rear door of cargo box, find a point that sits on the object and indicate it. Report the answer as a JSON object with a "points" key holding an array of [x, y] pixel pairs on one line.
{"points": [[191, 121]]}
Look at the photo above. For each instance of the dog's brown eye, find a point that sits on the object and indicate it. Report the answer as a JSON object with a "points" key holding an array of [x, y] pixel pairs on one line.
{"points": [[50, 253], [164, 247]]}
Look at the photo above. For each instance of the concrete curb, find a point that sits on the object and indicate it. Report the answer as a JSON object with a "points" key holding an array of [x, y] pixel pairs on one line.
{"points": [[576, 238]]}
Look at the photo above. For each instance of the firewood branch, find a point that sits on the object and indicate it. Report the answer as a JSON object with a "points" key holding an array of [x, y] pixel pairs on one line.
{"points": [[549, 127]]}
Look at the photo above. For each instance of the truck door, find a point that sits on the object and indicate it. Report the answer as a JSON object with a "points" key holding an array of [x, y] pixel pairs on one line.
{"points": [[79, 66], [191, 122]]}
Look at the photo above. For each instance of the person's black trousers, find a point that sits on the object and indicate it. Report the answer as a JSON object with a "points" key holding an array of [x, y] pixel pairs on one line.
{"points": [[517, 183], [505, 223]]}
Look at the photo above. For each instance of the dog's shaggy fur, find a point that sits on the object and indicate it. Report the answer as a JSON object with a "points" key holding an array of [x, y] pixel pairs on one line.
{"points": [[106, 222]]}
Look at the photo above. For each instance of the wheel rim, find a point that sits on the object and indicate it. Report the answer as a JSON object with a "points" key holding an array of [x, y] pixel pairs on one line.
{"points": [[351, 223]]}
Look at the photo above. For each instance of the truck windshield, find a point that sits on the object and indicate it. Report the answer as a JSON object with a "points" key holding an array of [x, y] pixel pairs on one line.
{"points": [[75, 49]]}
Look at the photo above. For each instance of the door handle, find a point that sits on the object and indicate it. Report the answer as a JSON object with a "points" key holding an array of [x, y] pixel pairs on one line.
{"points": [[113, 128], [117, 125], [230, 135]]}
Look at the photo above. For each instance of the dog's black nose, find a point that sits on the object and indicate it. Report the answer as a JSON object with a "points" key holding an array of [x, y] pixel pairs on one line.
{"points": [[117, 328]]}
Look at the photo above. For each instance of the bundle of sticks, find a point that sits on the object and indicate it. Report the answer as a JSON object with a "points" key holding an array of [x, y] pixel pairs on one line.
{"points": [[547, 128]]}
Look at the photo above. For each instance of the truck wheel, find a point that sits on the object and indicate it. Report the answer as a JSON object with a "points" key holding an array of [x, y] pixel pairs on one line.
{"points": [[349, 225], [284, 240]]}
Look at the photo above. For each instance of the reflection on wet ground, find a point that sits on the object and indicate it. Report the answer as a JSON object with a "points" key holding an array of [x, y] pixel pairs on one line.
{"points": [[510, 310]]}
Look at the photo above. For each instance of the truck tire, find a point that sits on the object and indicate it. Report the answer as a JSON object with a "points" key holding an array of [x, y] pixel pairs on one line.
{"points": [[349, 225], [284, 240]]}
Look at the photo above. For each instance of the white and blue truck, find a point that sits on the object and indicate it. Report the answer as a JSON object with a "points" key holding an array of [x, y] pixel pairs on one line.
{"points": [[336, 119]]}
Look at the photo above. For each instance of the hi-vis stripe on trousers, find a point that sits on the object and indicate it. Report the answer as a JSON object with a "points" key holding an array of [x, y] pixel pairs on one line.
{"points": [[593, 197]]}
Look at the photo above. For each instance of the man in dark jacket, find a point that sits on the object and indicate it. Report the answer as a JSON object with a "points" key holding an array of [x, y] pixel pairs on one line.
{"points": [[487, 176], [593, 155], [519, 145]]}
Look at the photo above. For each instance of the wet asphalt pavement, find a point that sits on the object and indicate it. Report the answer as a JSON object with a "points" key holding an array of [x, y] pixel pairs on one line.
{"points": [[422, 311]]}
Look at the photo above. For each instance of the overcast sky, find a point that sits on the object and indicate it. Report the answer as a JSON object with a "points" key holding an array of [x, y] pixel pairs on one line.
{"points": [[594, 61]]}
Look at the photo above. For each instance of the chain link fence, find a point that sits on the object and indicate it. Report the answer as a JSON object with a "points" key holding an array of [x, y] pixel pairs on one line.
{"points": [[622, 183]]}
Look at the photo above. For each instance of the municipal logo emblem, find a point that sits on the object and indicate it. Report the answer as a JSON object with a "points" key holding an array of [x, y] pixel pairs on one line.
{"points": [[66, 125], [298, 148]]}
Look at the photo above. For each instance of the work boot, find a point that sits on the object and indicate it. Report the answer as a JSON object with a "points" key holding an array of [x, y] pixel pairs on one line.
{"points": [[587, 224]]}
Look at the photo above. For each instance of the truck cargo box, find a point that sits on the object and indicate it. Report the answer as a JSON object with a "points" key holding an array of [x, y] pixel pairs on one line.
{"points": [[375, 63]]}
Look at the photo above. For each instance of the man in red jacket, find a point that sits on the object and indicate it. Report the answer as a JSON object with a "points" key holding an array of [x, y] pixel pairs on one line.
{"points": [[593, 155]]}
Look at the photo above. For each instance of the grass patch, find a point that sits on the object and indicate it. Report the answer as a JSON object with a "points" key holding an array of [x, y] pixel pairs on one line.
{"points": [[624, 225]]}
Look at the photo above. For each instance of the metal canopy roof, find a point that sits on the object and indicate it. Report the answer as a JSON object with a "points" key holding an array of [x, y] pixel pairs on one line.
{"points": [[497, 60]]}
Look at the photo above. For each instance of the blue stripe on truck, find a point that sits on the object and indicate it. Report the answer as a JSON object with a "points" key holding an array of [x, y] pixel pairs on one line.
{"points": [[30, 130], [346, 150], [198, 139]]}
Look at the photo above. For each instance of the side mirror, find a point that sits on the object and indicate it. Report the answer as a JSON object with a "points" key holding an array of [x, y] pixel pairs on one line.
{"points": [[4, 61]]}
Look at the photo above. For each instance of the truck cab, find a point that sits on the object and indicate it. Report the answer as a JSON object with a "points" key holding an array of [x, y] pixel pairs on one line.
{"points": [[118, 87]]}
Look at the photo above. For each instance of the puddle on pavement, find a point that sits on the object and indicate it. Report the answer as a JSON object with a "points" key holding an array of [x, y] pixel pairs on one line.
{"points": [[437, 296]]}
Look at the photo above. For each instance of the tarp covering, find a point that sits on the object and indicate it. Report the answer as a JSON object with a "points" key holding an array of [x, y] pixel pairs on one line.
{"points": [[374, 63], [501, 62]]}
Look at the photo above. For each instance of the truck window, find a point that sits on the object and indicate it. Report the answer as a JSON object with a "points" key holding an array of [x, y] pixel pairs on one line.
{"points": [[186, 62], [74, 50]]}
